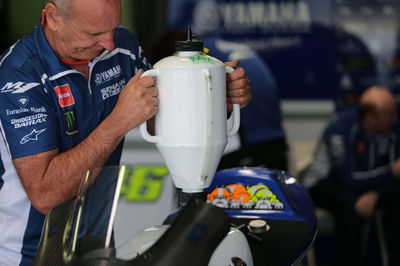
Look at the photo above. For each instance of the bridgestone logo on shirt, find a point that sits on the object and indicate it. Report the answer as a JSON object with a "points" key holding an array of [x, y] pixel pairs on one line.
{"points": [[29, 120]]}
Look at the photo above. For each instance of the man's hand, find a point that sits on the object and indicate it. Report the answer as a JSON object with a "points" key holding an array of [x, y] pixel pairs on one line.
{"points": [[137, 102], [365, 204], [239, 91]]}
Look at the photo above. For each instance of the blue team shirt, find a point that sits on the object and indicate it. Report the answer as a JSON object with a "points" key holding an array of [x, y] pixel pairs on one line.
{"points": [[351, 157], [46, 105]]}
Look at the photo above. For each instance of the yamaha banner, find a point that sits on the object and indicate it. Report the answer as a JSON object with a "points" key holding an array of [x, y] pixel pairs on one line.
{"points": [[315, 49]]}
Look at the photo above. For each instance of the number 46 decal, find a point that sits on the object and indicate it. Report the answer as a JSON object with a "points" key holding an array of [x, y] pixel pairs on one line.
{"points": [[143, 183]]}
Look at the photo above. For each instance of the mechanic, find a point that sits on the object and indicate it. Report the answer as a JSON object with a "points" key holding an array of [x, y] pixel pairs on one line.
{"points": [[69, 93], [355, 171]]}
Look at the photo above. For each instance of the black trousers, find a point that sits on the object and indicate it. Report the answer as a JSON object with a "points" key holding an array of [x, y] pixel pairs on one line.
{"points": [[340, 200]]}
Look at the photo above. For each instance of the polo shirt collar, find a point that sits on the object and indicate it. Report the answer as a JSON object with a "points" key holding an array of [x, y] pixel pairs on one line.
{"points": [[47, 55]]}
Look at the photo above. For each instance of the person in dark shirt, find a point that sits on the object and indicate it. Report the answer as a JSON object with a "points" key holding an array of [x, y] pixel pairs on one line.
{"points": [[356, 169]]}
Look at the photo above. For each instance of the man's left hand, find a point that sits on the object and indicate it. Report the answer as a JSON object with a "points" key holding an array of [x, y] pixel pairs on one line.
{"points": [[365, 204], [239, 91]]}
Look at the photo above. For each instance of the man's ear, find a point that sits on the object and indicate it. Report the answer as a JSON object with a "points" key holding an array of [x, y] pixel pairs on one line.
{"points": [[54, 18]]}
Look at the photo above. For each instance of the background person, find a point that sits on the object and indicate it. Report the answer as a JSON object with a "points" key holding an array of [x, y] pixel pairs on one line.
{"points": [[355, 171], [69, 92]]}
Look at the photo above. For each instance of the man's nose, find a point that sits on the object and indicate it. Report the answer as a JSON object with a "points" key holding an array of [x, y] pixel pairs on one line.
{"points": [[108, 42]]}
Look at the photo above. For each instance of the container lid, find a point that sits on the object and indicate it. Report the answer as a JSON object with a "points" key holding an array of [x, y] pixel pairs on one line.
{"points": [[189, 44]]}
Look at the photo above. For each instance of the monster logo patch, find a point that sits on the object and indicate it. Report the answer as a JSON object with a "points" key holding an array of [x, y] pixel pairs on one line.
{"points": [[70, 123]]}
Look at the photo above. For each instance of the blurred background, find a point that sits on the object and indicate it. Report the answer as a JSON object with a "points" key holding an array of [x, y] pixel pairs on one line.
{"points": [[321, 54]]}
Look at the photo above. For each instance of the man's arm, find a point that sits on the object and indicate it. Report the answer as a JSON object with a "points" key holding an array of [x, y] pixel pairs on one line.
{"points": [[320, 167], [316, 178], [51, 178]]}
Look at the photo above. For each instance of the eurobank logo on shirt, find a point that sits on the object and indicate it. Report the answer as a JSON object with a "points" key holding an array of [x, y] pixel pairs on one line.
{"points": [[64, 94]]}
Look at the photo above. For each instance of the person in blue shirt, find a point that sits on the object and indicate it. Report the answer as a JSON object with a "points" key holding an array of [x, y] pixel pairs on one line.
{"points": [[69, 93], [356, 169]]}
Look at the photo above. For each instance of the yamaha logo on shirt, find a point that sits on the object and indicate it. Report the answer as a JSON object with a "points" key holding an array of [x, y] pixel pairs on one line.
{"points": [[108, 75], [64, 94]]}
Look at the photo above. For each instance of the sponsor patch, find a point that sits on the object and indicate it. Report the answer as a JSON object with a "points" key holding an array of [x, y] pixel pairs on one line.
{"points": [[32, 136], [18, 87], [25, 110], [64, 94], [29, 120], [70, 123], [108, 75], [113, 90], [23, 101]]}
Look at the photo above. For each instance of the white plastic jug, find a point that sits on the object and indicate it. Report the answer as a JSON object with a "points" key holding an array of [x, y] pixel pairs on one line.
{"points": [[191, 122]]}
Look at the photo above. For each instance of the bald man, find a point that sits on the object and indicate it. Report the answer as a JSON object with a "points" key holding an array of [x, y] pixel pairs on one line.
{"points": [[356, 169], [69, 93]]}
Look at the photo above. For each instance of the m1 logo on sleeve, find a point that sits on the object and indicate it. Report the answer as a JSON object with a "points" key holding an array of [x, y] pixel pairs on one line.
{"points": [[64, 94]]}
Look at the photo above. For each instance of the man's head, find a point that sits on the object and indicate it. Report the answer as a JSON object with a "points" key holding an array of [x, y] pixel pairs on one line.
{"points": [[81, 29], [62, 5], [377, 110]]}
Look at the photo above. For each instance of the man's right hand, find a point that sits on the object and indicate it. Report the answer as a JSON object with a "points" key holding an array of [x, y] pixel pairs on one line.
{"points": [[137, 102]]}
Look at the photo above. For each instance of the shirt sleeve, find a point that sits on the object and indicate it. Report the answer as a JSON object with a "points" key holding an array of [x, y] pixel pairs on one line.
{"points": [[143, 63], [126, 40], [29, 123], [320, 167]]}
